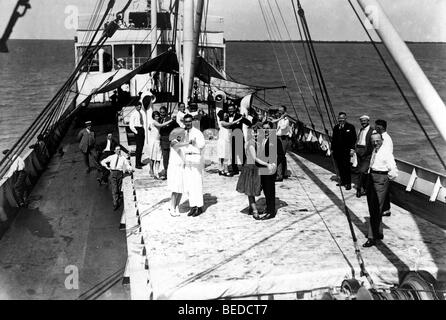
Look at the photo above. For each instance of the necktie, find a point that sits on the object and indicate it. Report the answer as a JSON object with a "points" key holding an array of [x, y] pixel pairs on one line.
{"points": [[141, 120], [116, 164]]}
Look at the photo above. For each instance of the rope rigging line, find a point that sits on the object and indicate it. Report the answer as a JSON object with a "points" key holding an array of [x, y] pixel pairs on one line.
{"points": [[400, 89], [310, 71], [315, 66], [318, 72], [315, 99], [289, 61], [315, 62], [19, 146], [352, 269], [274, 51]]}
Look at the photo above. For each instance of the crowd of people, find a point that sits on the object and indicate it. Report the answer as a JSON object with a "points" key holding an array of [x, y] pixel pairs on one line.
{"points": [[369, 154], [249, 145], [177, 141]]}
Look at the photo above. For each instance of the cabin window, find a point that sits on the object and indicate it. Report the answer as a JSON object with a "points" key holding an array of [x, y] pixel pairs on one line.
{"points": [[92, 65]]}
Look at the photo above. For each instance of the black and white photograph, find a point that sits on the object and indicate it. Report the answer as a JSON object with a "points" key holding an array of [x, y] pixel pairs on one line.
{"points": [[245, 152]]}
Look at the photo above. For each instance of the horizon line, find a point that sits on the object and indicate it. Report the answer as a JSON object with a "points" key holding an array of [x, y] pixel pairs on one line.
{"points": [[252, 40]]}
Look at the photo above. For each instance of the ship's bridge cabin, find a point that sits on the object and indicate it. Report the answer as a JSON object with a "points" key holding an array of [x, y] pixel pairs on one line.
{"points": [[131, 46]]}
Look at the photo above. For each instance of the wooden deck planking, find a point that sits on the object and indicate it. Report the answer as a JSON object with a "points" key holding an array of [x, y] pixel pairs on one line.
{"points": [[226, 253]]}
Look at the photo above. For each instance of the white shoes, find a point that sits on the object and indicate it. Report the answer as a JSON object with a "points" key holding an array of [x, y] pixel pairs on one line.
{"points": [[174, 212]]}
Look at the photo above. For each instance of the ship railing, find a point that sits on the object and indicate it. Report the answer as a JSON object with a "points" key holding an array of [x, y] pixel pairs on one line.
{"points": [[36, 160], [413, 177]]}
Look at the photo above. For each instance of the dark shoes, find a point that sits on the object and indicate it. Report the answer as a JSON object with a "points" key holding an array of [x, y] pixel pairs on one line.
{"points": [[359, 193], [387, 214], [138, 167], [348, 187], [268, 216], [195, 212], [369, 243]]}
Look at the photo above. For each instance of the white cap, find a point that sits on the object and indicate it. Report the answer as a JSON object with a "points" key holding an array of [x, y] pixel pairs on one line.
{"points": [[364, 117]]}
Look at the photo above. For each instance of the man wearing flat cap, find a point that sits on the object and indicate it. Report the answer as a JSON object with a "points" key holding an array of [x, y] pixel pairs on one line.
{"points": [[364, 150], [87, 142]]}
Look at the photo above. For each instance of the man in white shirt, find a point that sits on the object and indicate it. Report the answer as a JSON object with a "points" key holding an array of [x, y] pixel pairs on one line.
{"points": [[19, 186], [118, 164], [364, 149], [382, 169], [137, 126], [381, 127], [181, 113], [194, 166], [284, 133]]}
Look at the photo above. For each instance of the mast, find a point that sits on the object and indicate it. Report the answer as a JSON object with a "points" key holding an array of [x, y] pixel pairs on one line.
{"points": [[196, 39], [425, 92], [154, 25], [188, 38]]}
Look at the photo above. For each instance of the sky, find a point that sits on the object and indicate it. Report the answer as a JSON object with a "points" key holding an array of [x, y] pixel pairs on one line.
{"points": [[329, 20]]}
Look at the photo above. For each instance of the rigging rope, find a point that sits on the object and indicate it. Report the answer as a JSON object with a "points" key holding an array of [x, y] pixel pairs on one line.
{"points": [[315, 99], [317, 69], [19, 146], [274, 51], [361, 262], [400, 89], [289, 62]]}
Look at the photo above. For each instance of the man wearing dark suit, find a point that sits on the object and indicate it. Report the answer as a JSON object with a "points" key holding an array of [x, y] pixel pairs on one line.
{"points": [[106, 149], [364, 150], [137, 126], [268, 181], [343, 145], [87, 142], [164, 139]]}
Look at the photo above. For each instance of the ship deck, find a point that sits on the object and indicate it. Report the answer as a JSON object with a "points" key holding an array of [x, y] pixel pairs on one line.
{"points": [[68, 235], [225, 253]]}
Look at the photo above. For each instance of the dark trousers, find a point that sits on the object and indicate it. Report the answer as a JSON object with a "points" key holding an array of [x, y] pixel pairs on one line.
{"points": [[166, 155], [20, 186], [140, 137], [91, 152], [377, 189], [363, 167], [234, 156], [386, 206], [104, 173], [342, 160], [269, 190], [282, 167], [116, 184]]}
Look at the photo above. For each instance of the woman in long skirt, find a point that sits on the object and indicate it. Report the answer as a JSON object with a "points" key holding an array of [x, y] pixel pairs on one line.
{"points": [[249, 181]]}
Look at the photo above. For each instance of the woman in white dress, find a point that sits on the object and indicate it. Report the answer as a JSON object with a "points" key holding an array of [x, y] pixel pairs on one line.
{"points": [[154, 147], [224, 151], [175, 172]]}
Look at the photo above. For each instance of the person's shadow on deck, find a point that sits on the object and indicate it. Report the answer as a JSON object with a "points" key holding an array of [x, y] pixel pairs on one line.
{"points": [[261, 205], [209, 201]]}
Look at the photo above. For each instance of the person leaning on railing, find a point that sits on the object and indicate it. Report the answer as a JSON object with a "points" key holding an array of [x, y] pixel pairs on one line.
{"points": [[17, 167]]}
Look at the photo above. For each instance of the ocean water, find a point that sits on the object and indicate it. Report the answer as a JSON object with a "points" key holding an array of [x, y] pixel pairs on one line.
{"points": [[356, 80]]}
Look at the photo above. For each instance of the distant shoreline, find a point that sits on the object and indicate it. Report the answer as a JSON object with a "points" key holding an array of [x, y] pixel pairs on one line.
{"points": [[266, 41]]}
